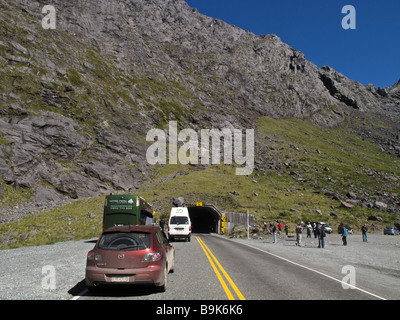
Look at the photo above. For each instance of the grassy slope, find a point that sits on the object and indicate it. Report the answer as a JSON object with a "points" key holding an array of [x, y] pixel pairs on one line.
{"points": [[70, 222], [304, 150]]}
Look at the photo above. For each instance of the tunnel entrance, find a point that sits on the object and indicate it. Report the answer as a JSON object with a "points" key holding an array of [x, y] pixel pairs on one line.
{"points": [[205, 219]]}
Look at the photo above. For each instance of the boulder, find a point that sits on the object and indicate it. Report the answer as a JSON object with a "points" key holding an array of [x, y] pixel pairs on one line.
{"points": [[375, 218], [351, 195], [178, 202], [380, 205], [345, 204], [44, 195]]}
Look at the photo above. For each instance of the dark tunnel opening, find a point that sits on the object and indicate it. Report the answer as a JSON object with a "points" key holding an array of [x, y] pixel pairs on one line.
{"points": [[204, 219]]}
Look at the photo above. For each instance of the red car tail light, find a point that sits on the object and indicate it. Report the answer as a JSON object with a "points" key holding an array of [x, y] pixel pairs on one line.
{"points": [[152, 256], [93, 256]]}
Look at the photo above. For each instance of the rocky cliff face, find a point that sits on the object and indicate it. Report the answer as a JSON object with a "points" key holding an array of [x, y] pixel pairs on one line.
{"points": [[76, 102]]}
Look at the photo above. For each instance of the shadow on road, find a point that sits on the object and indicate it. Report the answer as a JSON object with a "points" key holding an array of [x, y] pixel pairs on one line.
{"points": [[77, 289], [113, 291], [91, 241]]}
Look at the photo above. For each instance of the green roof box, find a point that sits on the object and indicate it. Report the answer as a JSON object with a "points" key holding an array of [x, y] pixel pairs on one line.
{"points": [[121, 210]]}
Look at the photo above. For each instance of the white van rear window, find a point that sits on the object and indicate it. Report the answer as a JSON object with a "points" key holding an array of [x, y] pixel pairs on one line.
{"points": [[179, 220]]}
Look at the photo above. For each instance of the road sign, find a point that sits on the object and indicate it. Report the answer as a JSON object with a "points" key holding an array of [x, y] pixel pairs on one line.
{"points": [[199, 204], [224, 223]]}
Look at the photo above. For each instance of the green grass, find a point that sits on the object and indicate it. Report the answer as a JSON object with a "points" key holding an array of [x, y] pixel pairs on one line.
{"points": [[326, 160], [324, 155], [354, 165], [13, 196], [274, 190], [70, 222]]}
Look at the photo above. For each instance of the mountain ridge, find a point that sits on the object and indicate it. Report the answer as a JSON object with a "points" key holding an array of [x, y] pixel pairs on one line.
{"points": [[76, 102]]}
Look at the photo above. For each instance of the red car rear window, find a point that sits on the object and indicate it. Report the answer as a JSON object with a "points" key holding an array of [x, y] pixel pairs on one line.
{"points": [[125, 241]]}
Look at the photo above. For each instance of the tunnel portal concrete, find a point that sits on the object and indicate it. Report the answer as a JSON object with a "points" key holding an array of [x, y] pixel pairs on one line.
{"points": [[205, 218]]}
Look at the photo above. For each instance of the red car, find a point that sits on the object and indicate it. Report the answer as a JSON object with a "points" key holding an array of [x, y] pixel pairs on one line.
{"points": [[130, 255]]}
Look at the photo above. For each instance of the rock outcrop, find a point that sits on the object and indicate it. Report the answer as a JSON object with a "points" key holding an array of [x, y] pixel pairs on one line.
{"points": [[76, 102]]}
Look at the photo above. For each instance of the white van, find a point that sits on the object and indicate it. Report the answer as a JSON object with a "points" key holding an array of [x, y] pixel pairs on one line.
{"points": [[179, 225]]}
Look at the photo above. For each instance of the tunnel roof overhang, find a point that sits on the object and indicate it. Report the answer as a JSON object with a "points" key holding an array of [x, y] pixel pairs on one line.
{"points": [[205, 218], [208, 208]]}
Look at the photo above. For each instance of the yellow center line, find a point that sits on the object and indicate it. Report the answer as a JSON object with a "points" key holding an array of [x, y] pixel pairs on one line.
{"points": [[221, 280], [208, 252]]}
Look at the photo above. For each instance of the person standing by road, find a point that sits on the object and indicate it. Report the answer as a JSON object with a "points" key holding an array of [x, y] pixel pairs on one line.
{"points": [[321, 235], [309, 228], [364, 230], [344, 235], [280, 226], [274, 232], [315, 230], [299, 231], [162, 224]]}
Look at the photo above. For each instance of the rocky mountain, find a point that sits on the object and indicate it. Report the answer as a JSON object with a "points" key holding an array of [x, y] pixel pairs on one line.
{"points": [[77, 101]]}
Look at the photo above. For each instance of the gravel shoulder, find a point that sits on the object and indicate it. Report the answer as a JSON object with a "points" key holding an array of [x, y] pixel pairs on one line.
{"points": [[26, 272]]}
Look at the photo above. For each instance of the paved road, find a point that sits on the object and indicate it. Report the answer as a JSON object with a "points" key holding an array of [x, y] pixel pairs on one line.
{"points": [[193, 279], [260, 274], [207, 268]]}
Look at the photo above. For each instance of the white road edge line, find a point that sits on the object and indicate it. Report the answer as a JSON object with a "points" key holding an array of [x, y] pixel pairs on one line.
{"points": [[310, 269], [80, 295]]}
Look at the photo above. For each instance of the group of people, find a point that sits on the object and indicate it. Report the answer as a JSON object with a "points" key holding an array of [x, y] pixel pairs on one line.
{"points": [[276, 230], [319, 232]]}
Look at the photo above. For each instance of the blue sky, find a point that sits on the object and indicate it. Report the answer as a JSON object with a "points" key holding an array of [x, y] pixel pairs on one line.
{"points": [[368, 54]]}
